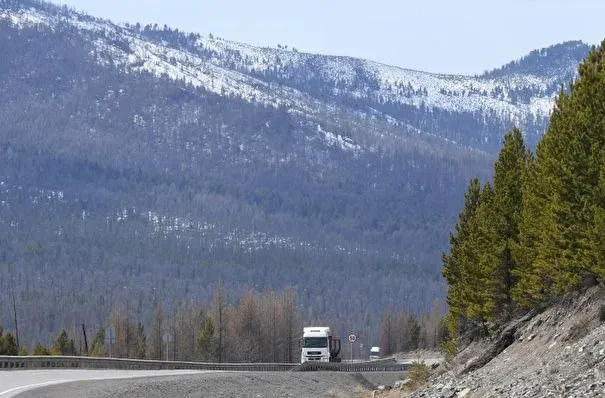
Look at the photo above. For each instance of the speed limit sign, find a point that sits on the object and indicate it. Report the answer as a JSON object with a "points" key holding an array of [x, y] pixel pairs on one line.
{"points": [[352, 337]]}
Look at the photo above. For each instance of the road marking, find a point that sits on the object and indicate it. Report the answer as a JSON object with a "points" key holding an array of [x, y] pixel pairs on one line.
{"points": [[98, 375], [33, 385]]}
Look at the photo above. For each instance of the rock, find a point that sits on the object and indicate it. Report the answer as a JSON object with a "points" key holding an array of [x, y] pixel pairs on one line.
{"points": [[400, 384], [504, 367]]}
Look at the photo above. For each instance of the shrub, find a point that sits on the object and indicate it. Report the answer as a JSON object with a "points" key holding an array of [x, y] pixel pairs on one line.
{"points": [[418, 375], [40, 350]]}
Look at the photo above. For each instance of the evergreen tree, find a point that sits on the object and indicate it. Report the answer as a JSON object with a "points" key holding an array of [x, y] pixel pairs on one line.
{"points": [[98, 343], [206, 342], [598, 230], [508, 172], [412, 333], [480, 258], [567, 202], [454, 267], [528, 286], [8, 345], [386, 333], [40, 350], [63, 345]]}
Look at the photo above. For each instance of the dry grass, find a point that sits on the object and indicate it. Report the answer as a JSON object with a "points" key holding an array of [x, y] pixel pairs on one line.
{"points": [[359, 392]]}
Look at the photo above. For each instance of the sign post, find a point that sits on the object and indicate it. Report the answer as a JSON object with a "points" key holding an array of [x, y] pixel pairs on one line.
{"points": [[352, 339], [110, 338], [167, 337]]}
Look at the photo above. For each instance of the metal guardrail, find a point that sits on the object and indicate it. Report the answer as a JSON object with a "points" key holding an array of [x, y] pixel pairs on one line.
{"points": [[50, 362], [373, 366]]}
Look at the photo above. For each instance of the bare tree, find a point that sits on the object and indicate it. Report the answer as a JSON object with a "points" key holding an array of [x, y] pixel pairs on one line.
{"points": [[291, 326], [219, 310], [154, 342]]}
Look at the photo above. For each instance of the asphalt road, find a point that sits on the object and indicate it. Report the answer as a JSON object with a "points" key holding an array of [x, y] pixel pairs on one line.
{"points": [[200, 384], [13, 382]]}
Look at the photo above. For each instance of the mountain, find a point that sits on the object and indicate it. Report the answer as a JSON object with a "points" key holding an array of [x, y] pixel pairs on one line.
{"points": [[143, 164]]}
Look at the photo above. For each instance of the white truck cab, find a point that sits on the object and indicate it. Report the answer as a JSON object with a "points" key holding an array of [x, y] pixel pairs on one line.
{"points": [[317, 344], [374, 353]]}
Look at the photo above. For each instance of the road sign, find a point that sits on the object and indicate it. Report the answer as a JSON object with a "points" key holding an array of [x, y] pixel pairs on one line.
{"points": [[110, 338], [167, 338], [352, 337], [110, 335]]}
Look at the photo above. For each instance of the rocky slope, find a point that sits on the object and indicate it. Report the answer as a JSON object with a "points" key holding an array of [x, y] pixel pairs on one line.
{"points": [[559, 352]]}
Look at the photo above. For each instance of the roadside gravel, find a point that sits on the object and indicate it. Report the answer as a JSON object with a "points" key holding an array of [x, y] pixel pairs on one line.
{"points": [[557, 353], [227, 384]]}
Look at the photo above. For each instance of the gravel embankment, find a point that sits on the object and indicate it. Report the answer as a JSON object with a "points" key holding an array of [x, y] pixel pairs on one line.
{"points": [[558, 353], [227, 384]]}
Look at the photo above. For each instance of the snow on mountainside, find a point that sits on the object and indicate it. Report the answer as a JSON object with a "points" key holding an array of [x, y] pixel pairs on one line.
{"points": [[452, 92], [129, 49], [281, 77]]}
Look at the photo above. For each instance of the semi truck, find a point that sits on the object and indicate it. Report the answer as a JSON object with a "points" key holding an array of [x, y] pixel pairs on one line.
{"points": [[318, 344], [374, 353]]}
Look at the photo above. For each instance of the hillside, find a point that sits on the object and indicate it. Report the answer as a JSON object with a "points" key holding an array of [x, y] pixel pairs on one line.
{"points": [[141, 163], [558, 352], [526, 268]]}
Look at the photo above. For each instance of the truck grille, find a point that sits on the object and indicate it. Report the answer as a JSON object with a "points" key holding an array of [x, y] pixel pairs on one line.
{"points": [[314, 353]]}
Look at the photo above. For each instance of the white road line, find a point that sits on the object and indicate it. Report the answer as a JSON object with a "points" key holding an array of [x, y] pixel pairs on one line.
{"points": [[88, 375], [27, 387]]}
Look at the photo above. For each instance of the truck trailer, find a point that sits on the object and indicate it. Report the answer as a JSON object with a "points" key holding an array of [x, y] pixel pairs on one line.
{"points": [[318, 344]]}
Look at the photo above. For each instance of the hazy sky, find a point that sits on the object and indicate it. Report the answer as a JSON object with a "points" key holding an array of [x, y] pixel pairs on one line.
{"points": [[448, 36]]}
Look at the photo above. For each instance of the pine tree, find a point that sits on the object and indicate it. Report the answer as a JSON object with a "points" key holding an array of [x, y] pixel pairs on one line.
{"points": [[566, 202], [508, 171], [8, 345], [63, 345], [40, 350], [480, 258], [454, 268], [98, 343], [528, 288], [206, 343]]}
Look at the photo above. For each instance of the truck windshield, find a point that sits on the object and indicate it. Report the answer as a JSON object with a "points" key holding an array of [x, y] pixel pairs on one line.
{"points": [[315, 342]]}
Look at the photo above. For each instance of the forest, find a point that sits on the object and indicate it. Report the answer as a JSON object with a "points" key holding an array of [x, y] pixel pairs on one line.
{"points": [[536, 230], [122, 189]]}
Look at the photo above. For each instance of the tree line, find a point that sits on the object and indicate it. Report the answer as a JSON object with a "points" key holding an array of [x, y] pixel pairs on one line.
{"points": [[403, 331], [257, 328], [537, 231]]}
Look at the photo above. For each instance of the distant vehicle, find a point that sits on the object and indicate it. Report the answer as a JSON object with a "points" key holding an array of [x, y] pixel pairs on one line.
{"points": [[374, 353], [317, 344]]}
